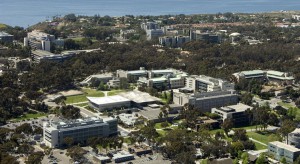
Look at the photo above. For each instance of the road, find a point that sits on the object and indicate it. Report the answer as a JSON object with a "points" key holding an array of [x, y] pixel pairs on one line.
{"points": [[86, 113]]}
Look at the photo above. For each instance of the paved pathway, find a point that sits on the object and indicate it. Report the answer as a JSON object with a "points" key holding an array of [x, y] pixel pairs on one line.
{"points": [[254, 140]]}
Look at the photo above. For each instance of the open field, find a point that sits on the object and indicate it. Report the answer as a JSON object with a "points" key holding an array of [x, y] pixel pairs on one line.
{"points": [[82, 98], [114, 92], [29, 116]]}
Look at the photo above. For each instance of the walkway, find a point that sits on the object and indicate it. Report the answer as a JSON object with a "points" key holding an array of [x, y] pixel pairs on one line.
{"points": [[254, 140]]}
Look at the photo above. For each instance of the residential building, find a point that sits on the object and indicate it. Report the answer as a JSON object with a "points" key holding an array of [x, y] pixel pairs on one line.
{"points": [[207, 100], [105, 78], [276, 77], [5, 37], [294, 138], [204, 83], [108, 102], [38, 40], [281, 150], [236, 113], [79, 130], [154, 33]]}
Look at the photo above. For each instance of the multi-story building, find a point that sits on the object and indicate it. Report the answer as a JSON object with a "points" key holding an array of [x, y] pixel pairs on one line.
{"points": [[200, 36], [296, 17], [41, 41], [176, 41], [207, 100], [5, 37], [126, 34], [281, 150], [79, 130], [236, 113], [204, 83], [163, 79], [132, 76], [280, 78], [41, 55], [154, 33], [149, 26], [294, 138]]}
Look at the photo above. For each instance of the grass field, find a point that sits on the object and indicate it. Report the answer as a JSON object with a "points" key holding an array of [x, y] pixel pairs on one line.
{"points": [[259, 146], [264, 138], [158, 125], [29, 116], [287, 105], [114, 92], [82, 98]]}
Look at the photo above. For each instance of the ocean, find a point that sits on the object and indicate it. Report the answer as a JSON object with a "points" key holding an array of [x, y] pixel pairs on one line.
{"points": [[28, 12]]}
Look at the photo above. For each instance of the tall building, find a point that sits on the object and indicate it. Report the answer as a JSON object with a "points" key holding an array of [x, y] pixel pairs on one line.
{"points": [[79, 130], [154, 33], [281, 150], [41, 41], [5, 37]]}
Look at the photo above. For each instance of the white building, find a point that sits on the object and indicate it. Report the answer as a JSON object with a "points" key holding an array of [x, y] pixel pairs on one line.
{"points": [[128, 119], [205, 101], [79, 130], [109, 102], [276, 77], [297, 17], [204, 83], [41, 41]]}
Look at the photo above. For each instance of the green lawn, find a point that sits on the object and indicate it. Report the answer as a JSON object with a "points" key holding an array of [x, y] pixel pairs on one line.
{"points": [[82, 98], [158, 125], [114, 92], [82, 105], [260, 146], [29, 116], [287, 105], [264, 138]]}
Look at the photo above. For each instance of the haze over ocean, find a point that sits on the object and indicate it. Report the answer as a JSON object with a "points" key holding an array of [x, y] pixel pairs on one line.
{"points": [[29, 12]]}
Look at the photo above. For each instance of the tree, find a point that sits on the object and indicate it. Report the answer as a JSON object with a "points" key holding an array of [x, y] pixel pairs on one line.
{"points": [[283, 160], [24, 128], [261, 159], [35, 158], [164, 124], [287, 126], [25, 149], [70, 112], [68, 141], [227, 126], [76, 153], [124, 83]]}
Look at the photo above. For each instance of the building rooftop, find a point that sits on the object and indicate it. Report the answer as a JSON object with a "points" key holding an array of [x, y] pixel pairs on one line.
{"points": [[285, 146], [252, 72], [64, 124], [139, 97], [107, 100]]}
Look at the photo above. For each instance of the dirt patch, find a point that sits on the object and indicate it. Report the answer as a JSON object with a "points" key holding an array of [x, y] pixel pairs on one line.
{"points": [[71, 93]]}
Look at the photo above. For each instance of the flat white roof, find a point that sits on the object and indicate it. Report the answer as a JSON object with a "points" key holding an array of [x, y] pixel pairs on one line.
{"points": [[107, 100]]}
